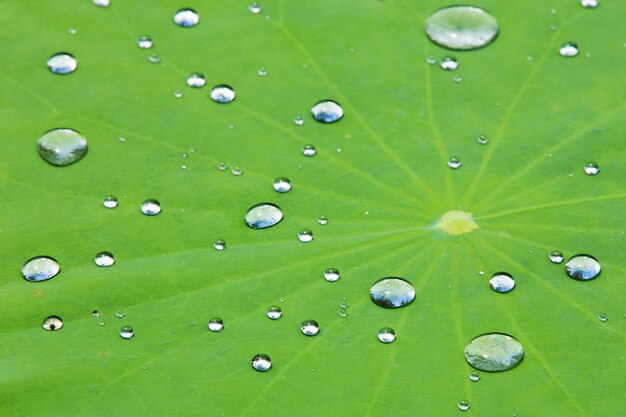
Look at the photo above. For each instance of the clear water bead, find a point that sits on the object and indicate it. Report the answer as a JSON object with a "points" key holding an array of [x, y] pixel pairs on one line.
{"points": [[196, 80], [186, 18], [150, 207], [282, 185], [298, 120], [215, 324], [462, 27], [219, 244], [104, 259], [430, 59], [101, 3], [603, 317], [178, 94], [154, 58], [261, 362], [309, 150], [474, 376], [61, 147], [120, 314], [274, 312], [463, 405], [568, 49], [305, 236], [591, 168], [110, 202], [322, 220], [589, 4], [145, 42], [222, 166], [449, 63], [556, 257], [332, 274], [327, 111], [262, 72], [127, 332], [255, 8], [454, 162], [583, 267], [457, 78], [502, 282], [386, 335], [310, 328], [494, 352], [40, 268], [62, 63], [482, 139], [222, 93], [52, 323], [392, 292], [263, 215]]}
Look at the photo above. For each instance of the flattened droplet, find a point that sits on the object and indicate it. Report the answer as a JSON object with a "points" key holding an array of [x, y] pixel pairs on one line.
{"points": [[392, 292], [456, 223], [494, 352], [305, 236], [196, 80], [502, 282], [61, 147], [186, 18], [261, 362], [556, 257], [310, 328], [568, 49], [386, 335], [145, 42], [104, 259], [592, 168], [583, 267], [215, 324], [222, 93], [40, 268], [274, 312], [62, 63], [282, 185], [150, 207], [263, 215], [327, 111], [110, 202], [127, 332], [462, 27], [52, 323]]}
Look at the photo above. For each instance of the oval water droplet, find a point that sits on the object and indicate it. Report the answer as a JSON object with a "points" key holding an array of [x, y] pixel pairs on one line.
{"points": [[196, 80], [186, 18], [104, 259], [454, 162], [482, 139], [603, 317], [110, 202], [309, 150], [322, 220], [62, 63], [261, 362], [462, 27], [215, 324], [392, 292], [222, 166], [282, 185], [178, 94], [449, 63], [95, 313], [463, 405], [262, 72], [61, 147], [310, 328], [298, 120], [154, 58], [222, 93], [502, 282], [332, 274], [591, 168], [52, 323], [150, 207], [101, 3], [219, 244], [274, 312], [40, 268], [556, 257], [305, 236], [327, 111], [119, 314], [236, 171], [583, 267], [589, 4], [431, 59], [568, 49], [127, 332], [386, 335], [145, 42], [494, 352], [474, 376], [263, 215]]}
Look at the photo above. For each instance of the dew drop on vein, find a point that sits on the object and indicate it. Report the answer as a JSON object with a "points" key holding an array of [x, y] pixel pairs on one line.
{"points": [[502, 282], [104, 259], [215, 324], [261, 362], [263, 215], [568, 49], [274, 312], [219, 244], [61, 147], [62, 63], [126, 332], [462, 27], [309, 150], [494, 352], [556, 257], [392, 292], [40, 268], [110, 202], [52, 323], [430, 59], [196, 80], [282, 185], [332, 274], [186, 18], [474, 376], [305, 236], [150, 207], [449, 63], [463, 405], [222, 93], [583, 267], [310, 328], [386, 335], [327, 111]]}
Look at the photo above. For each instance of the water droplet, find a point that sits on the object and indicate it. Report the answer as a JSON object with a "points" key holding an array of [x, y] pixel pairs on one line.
{"points": [[322, 220], [119, 314], [255, 8], [454, 162], [263, 215], [262, 72], [431, 59], [299, 120], [154, 58], [72, 30], [178, 94], [150, 207], [236, 171], [101, 322], [145, 42], [494, 352], [216, 324], [219, 244], [568, 49], [462, 27], [282, 185], [186, 18], [392, 292], [583, 267], [261, 362], [449, 63], [222, 93], [126, 332], [327, 111], [474, 376], [603, 317], [463, 405], [274, 312], [101, 3], [122, 138], [310, 327], [502, 282], [222, 166], [52, 323], [343, 312], [556, 257], [332, 274], [554, 27], [344, 302], [104, 259], [95, 313], [591, 168], [62, 146], [386, 335], [309, 150], [305, 236], [589, 4], [482, 139], [110, 202], [457, 79], [196, 80], [40, 268], [281, 299]]}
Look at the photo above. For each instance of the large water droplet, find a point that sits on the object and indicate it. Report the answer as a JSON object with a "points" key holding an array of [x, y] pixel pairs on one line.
{"points": [[310, 328], [52, 323], [222, 93], [274, 312], [186, 18], [332, 274], [62, 63], [40, 268], [309, 150], [454, 162], [494, 352], [196, 80], [449, 63], [282, 185], [556, 257], [583, 267], [62, 146], [215, 324], [127, 332], [305, 236], [502, 282], [261, 362], [327, 111], [104, 259], [462, 27], [568, 49], [591, 168], [150, 207], [589, 4], [219, 244], [263, 215], [386, 335], [145, 42], [101, 3], [463, 405], [110, 202], [392, 292]]}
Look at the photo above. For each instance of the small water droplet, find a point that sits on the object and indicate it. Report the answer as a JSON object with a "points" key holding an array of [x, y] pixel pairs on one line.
{"points": [[309, 150], [261, 362], [262, 72], [494, 352], [344, 302], [110, 202], [474, 376], [603, 317], [530, 57], [462, 27], [298, 120], [101, 3], [154, 58], [343, 312], [449, 63], [122, 138], [178, 94], [101, 322], [236, 171], [589, 4], [183, 166], [327, 111], [216, 324], [502, 282], [222, 93], [95, 313], [52, 323], [431, 59], [40, 268], [556, 257], [62, 146], [126, 332], [454, 162], [591, 168], [119, 314], [274, 312], [263, 215], [183, 155], [568, 49], [392, 292], [482, 139], [104, 259], [150, 207], [463, 405], [145, 42], [72, 30], [219, 244], [196, 80], [186, 18], [282, 185], [332, 274], [222, 166], [322, 220], [386, 335], [310, 328], [281, 299], [255, 8], [583, 267], [457, 78], [305, 236]]}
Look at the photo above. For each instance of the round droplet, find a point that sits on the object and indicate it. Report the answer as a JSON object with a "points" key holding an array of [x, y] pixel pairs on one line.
{"points": [[104, 259], [322, 220], [62, 146], [332, 274], [556, 257], [186, 18], [494, 352], [154, 58], [482, 139], [95, 313], [603, 317], [305, 236], [502, 282], [219, 244], [568, 49], [110, 202], [236, 171], [40, 268], [462, 27], [431, 59], [449, 63], [589, 4], [222, 166], [262, 72], [327, 111], [343, 312], [119, 314], [282, 184], [255, 8], [122, 138], [463, 405], [591, 168], [126, 332], [196, 80], [150, 207], [145, 42], [178, 94], [263, 215], [392, 292], [299, 120], [474, 376], [310, 328], [274, 312], [583, 267], [101, 3], [62, 63], [457, 78], [386, 335], [261, 362], [216, 324], [72, 30], [222, 94], [454, 162], [52, 323], [309, 150]]}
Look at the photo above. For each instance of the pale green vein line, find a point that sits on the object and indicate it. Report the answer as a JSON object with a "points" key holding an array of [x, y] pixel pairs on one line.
{"points": [[455, 303], [30, 92], [550, 227]]}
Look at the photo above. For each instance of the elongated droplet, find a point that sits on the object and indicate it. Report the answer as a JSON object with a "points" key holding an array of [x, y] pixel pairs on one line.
{"points": [[145, 42], [310, 328], [61, 147], [154, 58], [327, 111], [449, 63], [150, 207], [462, 27], [392, 292], [196, 80], [186, 18], [463, 405], [274, 312], [556, 257], [104, 259], [40, 268], [592, 168], [589, 4], [101, 3], [52, 323], [502, 282], [494, 352], [127, 332], [454, 162], [263, 215], [219, 244], [222, 94], [261, 362], [583, 267], [110, 202], [305, 236], [386, 335], [62, 63], [282, 185], [332, 274], [216, 324], [568, 49]]}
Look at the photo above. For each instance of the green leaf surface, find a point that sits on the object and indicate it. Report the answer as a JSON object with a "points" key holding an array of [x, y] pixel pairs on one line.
{"points": [[380, 176]]}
